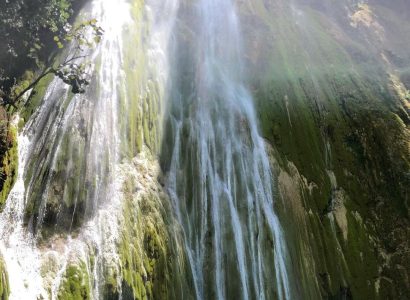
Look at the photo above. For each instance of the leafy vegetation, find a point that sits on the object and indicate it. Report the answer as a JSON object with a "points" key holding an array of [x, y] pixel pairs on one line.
{"points": [[38, 43], [72, 70], [26, 30], [32, 32]]}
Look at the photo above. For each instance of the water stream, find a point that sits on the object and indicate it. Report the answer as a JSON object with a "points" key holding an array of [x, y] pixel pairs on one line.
{"points": [[68, 153], [217, 170], [219, 176]]}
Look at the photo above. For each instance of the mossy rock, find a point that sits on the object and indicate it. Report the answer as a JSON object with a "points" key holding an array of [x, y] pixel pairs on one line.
{"points": [[75, 284], [4, 281], [327, 103], [9, 162], [153, 262]]}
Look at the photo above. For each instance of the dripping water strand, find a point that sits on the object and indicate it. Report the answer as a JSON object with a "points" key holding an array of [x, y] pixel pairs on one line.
{"points": [[219, 174]]}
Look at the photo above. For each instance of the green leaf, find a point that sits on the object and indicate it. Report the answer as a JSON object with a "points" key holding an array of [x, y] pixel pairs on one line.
{"points": [[97, 39]]}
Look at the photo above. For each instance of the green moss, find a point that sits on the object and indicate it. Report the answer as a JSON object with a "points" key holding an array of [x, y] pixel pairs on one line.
{"points": [[75, 284], [65, 196], [140, 101], [24, 83], [152, 262], [4, 281], [9, 165], [35, 98], [324, 103], [144, 254], [360, 145]]}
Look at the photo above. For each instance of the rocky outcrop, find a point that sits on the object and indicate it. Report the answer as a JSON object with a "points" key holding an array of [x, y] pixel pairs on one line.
{"points": [[133, 248], [4, 281], [8, 156], [153, 264], [75, 283], [338, 122]]}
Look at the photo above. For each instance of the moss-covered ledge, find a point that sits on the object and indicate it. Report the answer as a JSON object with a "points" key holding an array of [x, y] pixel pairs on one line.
{"points": [[4, 281], [75, 284], [153, 263], [359, 143], [8, 156]]}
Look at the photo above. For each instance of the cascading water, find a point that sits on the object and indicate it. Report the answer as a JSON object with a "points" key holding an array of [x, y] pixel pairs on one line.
{"points": [[219, 175], [76, 152], [68, 154]]}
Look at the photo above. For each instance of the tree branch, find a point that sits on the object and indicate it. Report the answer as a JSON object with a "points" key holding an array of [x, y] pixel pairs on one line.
{"points": [[32, 85], [73, 58]]}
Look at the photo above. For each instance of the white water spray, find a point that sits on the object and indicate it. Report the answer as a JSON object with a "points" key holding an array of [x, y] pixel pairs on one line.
{"points": [[36, 270], [219, 174]]}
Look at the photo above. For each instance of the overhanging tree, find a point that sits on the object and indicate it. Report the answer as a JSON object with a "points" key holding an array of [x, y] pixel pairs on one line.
{"points": [[72, 70]]}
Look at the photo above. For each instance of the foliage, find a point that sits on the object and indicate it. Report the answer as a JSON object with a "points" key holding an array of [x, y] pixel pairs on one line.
{"points": [[73, 70], [25, 30]]}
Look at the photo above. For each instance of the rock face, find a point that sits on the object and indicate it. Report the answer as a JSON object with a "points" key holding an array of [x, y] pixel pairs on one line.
{"points": [[8, 156], [329, 81], [153, 262], [89, 199], [4, 281]]}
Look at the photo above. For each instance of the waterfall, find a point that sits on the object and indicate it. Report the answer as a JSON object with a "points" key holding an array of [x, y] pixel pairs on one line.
{"points": [[218, 172], [68, 156], [77, 151]]}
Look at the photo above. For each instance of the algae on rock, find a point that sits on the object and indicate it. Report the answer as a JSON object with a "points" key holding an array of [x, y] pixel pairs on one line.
{"points": [[4, 281], [9, 161], [152, 260], [75, 284], [330, 105]]}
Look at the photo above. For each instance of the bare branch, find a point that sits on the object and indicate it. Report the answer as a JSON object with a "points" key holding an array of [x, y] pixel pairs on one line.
{"points": [[72, 59]]}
